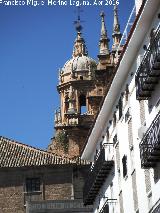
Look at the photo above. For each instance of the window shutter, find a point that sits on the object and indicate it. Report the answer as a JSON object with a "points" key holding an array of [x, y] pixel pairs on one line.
{"points": [[121, 202], [130, 133], [142, 112], [147, 180], [134, 186]]}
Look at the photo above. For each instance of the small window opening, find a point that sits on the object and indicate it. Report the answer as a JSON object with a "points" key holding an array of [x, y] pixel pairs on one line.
{"points": [[66, 104], [81, 77], [32, 184], [82, 103], [127, 92], [114, 120], [124, 163], [107, 135]]}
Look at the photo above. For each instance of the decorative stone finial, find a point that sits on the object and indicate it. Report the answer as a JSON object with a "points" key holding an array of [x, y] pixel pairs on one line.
{"points": [[116, 28], [104, 40], [79, 44], [103, 27], [116, 25]]}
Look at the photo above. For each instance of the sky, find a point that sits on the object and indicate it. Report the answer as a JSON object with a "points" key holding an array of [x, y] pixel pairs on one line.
{"points": [[35, 41]]}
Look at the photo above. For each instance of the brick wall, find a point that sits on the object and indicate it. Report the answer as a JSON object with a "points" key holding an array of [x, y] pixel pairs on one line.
{"points": [[60, 182], [11, 192], [56, 184]]}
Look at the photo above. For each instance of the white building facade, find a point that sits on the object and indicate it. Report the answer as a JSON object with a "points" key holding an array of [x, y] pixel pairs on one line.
{"points": [[124, 144]]}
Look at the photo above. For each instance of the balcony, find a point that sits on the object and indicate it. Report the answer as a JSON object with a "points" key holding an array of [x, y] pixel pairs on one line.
{"points": [[148, 72], [73, 120], [150, 145], [61, 206], [97, 175]]}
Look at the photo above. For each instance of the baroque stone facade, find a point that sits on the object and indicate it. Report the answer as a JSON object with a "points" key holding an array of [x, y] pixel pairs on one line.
{"points": [[82, 85]]}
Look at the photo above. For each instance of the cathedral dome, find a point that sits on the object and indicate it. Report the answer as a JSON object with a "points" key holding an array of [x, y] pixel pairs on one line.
{"points": [[80, 60], [79, 63]]}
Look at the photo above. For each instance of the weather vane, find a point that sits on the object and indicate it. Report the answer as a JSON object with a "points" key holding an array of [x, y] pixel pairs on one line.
{"points": [[78, 21]]}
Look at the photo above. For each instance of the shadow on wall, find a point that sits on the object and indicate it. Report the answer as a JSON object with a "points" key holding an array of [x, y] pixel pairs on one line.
{"points": [[157, 173]]}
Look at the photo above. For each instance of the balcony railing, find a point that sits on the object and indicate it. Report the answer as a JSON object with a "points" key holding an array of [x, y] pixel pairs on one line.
{"points": [[32, 196], [150, 145], [149, 70], [97, 175], [73, 119], [157, 209], [57, 206]]}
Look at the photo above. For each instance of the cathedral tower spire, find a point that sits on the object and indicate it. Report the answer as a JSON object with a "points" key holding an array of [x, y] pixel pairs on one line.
{"points": [[77, 107], [79, 48], [104, 40], [116, 29], [104, 52], [82, 85]]}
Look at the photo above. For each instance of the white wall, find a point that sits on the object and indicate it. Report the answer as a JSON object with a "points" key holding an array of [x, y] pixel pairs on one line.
{"points": [[119, 183], [138, 4]]}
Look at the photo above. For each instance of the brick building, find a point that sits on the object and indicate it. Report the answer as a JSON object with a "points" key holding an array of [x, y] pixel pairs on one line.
{"points": [[28, 174]]}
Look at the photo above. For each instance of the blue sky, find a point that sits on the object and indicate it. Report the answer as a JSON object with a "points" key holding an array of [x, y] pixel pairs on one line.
{"points": [[34, 43]]}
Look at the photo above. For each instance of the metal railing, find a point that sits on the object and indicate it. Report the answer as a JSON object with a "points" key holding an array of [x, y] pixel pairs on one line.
{"points": [[97, 176], [57, 206], [150, 144], [147, 73]]}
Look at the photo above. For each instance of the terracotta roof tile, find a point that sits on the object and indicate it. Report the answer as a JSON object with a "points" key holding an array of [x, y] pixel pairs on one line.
{"points": [[15, 154]]}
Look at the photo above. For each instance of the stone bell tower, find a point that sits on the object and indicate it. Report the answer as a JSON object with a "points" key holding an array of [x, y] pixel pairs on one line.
{"points": [[76, 114], [82, 85]]}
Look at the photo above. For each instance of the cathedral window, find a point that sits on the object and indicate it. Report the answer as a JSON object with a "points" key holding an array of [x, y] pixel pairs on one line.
{"points": [[32, 184], [124, 164], [66, 103], [82, 104]]}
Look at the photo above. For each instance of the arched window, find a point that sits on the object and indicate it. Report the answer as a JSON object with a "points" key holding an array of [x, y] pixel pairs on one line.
{"points": [[82, 104], [66, 104]]}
